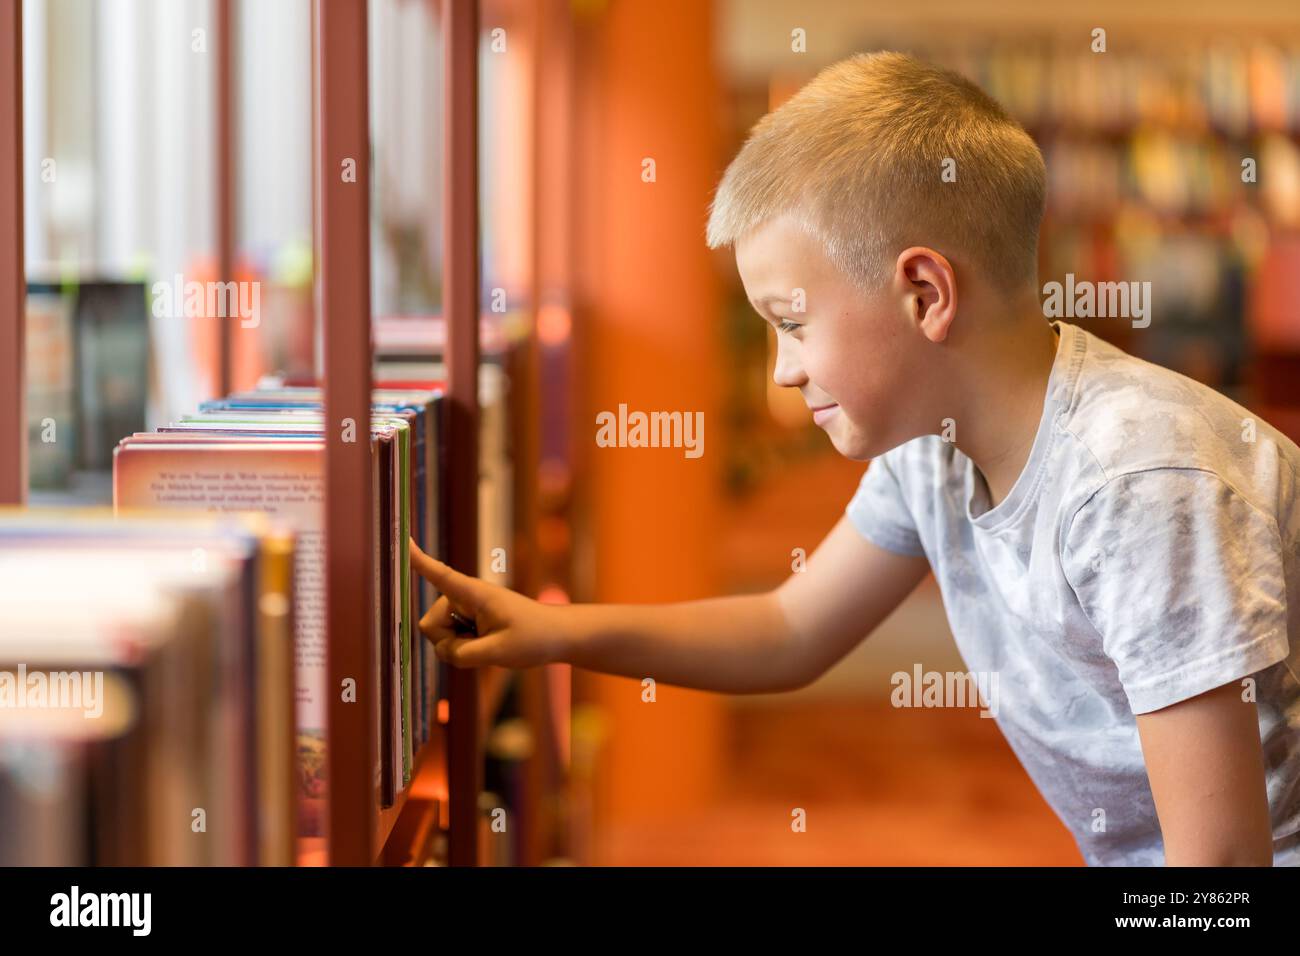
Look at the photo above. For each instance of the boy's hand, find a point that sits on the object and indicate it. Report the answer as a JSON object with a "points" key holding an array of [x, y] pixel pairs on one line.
{"points": [[513, 630]]}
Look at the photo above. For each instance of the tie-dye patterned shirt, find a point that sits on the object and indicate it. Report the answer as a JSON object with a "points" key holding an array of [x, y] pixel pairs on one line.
{"points": [[1148, 552]]}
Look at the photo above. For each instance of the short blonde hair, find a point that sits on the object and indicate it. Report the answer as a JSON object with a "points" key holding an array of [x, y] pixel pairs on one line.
{"points": [[857, 158]]}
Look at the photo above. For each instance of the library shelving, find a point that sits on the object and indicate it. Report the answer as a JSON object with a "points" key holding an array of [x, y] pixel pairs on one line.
{"points": [[440, 816]]}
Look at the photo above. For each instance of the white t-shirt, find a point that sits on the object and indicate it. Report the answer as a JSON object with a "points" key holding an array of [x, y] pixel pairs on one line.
{"points": [[1149, 551]]}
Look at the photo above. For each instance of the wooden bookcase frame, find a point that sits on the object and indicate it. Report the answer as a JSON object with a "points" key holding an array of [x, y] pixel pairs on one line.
{"points": [[359, 832]]}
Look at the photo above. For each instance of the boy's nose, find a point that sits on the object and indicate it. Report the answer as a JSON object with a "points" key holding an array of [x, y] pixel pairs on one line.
{"points": [[788, 373]]}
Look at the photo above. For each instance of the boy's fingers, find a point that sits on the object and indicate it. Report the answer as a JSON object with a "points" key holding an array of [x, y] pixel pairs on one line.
{"points": [[438, 616], [434, 631], [445, 616], [467, 591], [468, 651]]}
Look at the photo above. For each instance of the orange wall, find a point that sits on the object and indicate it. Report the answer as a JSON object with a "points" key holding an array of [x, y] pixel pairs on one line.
{"points": [[651, 337]]}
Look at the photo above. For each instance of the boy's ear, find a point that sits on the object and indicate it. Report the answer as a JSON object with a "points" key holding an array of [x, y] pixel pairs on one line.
{"points": [[929, 287]]}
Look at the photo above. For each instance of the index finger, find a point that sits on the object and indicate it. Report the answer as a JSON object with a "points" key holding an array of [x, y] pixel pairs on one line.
{"points": [[462, 588]]}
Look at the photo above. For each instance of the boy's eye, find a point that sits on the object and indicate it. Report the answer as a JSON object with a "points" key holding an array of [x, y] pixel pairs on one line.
{"points": [[786, 326]]}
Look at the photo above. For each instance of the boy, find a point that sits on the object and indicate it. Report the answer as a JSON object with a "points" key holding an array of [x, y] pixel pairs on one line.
{"points": [[1118, 543]]}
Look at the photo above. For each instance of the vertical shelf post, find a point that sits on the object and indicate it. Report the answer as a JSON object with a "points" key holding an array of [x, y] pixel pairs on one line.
{"points": [[226, 197], [13, 279], [460, 22], [342, 226]]}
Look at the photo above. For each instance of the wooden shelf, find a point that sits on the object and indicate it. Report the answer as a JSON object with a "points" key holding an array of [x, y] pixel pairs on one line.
{"points": [[447, 776], [393, 834], [422, 816], [430, 762], [342, 231]]}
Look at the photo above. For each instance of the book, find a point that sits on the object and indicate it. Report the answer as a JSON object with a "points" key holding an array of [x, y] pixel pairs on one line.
{"points": [[263, 450], [134, 720], [237, 454], [397, 527]]}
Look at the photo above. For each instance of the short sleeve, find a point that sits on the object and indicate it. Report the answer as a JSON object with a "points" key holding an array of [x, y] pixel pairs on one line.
{"points": [[878, 509], [1183, 579]]}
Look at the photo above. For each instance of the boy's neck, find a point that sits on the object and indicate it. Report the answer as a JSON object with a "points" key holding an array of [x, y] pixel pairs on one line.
{"points": [[1004, 404]]}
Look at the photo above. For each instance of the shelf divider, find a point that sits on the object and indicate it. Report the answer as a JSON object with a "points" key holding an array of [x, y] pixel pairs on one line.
{"points": [[13, 280], [342, 239], [460, 30]]}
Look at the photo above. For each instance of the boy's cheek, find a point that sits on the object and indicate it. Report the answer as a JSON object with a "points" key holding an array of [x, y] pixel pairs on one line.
{"points": [[866, 429]]}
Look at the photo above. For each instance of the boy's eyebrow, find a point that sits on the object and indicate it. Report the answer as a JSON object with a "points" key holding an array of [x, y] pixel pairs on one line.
{"points": [[762, 301]]}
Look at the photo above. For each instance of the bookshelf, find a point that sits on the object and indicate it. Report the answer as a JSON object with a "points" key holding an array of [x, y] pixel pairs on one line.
{"points": [[359, 833], [460, 24], [443, 798]]}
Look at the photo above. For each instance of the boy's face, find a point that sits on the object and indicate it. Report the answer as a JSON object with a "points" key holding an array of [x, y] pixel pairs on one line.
{"points": [[847, 348]]}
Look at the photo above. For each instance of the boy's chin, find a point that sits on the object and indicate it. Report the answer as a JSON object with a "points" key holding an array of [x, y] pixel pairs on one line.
{"points": [[852, 444]]}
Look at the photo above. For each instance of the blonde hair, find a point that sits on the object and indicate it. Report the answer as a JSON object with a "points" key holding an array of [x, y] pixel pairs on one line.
{"points": [[857, 158]]}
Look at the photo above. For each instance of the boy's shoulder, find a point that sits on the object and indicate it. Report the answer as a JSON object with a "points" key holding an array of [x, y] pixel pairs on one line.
{"points": [[1117, 426], [1129, 417]]}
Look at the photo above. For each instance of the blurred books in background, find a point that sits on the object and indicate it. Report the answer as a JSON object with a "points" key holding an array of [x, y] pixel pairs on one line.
{"points": [[145, 690], [88, 374], [1178, 163]]}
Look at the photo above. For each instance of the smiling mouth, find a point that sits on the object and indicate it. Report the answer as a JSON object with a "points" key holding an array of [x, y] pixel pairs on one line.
{"points": [[824, 413]]}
